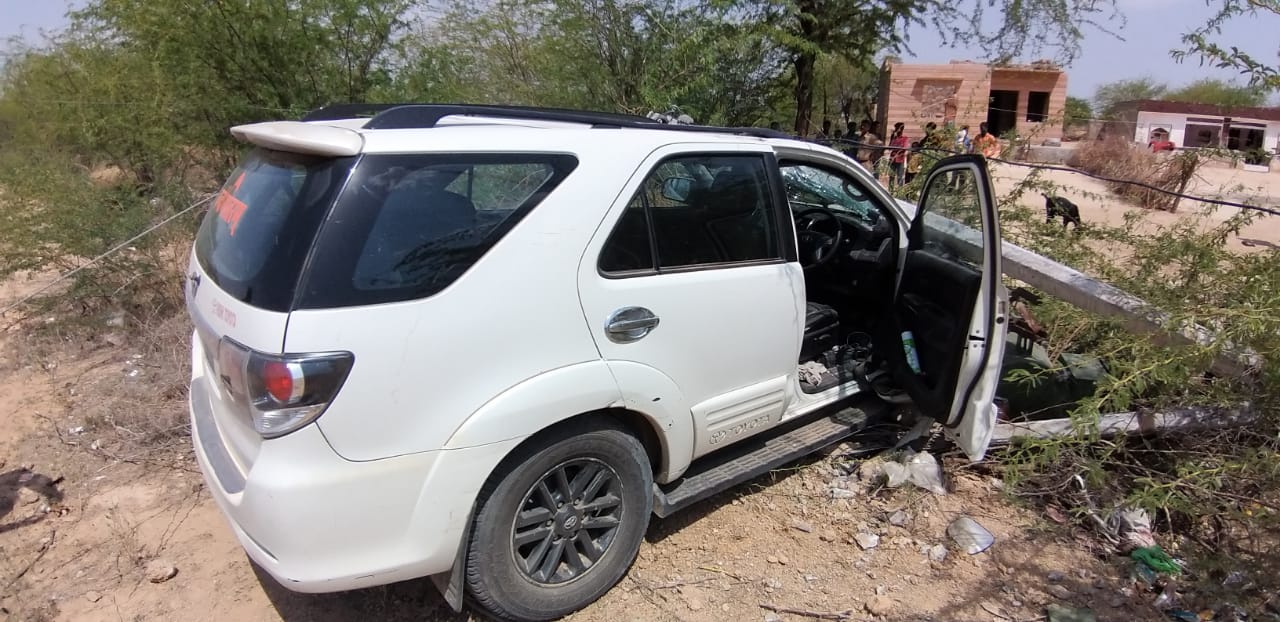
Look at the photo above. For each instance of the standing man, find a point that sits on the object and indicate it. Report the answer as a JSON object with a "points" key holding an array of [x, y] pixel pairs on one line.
{"points": [[899, 144], [869, 150]]}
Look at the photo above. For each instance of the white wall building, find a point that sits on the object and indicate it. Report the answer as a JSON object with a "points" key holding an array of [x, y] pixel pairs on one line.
{"points": [[1191, 125]]}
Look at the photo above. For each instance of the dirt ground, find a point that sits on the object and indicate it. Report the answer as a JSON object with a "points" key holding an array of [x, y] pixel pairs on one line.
{"points": [[95, 528], [1213, 181]]}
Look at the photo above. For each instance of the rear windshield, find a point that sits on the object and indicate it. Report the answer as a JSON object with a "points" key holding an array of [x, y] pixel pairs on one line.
{"points": [[256, 235]]}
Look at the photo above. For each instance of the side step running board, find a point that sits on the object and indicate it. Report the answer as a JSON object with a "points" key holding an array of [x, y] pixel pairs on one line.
{"points": [[754, 457]]}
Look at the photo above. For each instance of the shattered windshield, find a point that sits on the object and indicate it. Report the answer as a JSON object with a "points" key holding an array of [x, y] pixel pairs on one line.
{"points": [[809, 187]]}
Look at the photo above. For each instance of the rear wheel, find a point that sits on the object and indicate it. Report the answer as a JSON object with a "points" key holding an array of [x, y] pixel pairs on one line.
{"points": [[561, 525]]}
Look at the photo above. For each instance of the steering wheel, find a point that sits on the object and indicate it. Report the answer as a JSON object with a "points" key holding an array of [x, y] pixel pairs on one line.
{"points": [[817, 247]]}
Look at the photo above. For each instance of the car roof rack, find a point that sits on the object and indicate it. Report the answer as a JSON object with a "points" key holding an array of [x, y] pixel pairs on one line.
{"points": [[419, 116]]}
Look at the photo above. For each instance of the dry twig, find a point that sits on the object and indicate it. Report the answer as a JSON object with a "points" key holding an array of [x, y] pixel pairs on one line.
{"points": [[839, 616]]}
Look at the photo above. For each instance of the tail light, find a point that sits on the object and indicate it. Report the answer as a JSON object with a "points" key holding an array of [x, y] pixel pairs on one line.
{"points": [[283, 392]]}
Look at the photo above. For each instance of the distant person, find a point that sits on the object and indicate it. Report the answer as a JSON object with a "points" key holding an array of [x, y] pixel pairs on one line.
{"points": [[899, 144], [986, 143], [868, 147], [963, 144], [914, 160], [1161, 143], [877, 138], [837, 137], [775, 126], [933, 139], [824, 134]]}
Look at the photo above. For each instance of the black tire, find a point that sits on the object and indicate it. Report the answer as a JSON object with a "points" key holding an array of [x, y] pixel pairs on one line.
{"points": [[498, 575]]}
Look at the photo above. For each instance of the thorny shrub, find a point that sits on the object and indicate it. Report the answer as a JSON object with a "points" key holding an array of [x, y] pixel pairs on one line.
{"points": [[1121, 159], [1215, 493]]}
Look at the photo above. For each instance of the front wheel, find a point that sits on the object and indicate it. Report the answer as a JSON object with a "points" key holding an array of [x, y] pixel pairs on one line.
{"points": [[561, 525]]}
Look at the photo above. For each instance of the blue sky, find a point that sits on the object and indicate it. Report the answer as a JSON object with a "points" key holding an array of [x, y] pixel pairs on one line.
{"points": [[1152, 28]]}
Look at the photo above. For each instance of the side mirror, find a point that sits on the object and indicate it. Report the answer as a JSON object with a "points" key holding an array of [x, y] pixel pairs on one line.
{"points": [[677, 188]]}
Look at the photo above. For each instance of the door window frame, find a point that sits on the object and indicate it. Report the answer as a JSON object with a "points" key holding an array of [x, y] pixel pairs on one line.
{"points": [[775, 193], [992, 268]]}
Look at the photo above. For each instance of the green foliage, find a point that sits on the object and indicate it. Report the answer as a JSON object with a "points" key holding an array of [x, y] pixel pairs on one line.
{"points": [[1078, 111], [1107, 96], [1200, 44], [1218, 93], [1202, 485]]}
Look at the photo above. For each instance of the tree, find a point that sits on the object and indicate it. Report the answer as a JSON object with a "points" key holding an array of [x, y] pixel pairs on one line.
{"points": [[847, 91], [1200, 43], [1218, 93], [859, 31], [1078, 111], [1107, 96], [617, 55], [241, 60]]}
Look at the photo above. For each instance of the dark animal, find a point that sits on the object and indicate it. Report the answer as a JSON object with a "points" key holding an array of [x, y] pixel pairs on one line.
{"points": [[1058, 207]]}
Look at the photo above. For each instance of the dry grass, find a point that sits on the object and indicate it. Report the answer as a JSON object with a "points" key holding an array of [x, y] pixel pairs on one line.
{"points": [[1120, 159], [141, 399]]}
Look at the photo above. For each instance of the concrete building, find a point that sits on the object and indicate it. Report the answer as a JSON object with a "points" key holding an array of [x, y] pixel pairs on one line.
{"points": [[1198, 125], [1030, 99]]}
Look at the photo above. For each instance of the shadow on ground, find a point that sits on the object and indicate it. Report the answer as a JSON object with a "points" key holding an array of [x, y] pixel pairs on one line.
{"points": [[38, 488], [416, 600]]}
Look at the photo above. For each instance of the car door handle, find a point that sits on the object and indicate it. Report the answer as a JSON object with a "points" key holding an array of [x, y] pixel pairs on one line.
{"points": [[630, 324]]}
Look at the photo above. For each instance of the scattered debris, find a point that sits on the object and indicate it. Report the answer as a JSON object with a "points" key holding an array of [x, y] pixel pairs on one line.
{"points": [[867, 540], [1060, 613], [92, 596], [1182, 615], [839, 616], [937, 553], [800, 525], [160, 570], [1156, 559], [76, 431], [1055, 576], [971, 537], [1133, 526], [1168, 597], [898, 518], [920, 469], [1235, 578]]}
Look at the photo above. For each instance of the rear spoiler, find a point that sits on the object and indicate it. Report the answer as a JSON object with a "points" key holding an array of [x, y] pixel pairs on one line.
{"points": [[298, 137]]}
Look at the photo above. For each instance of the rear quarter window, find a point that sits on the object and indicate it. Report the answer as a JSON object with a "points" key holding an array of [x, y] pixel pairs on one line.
{"points": [[407, 226]]}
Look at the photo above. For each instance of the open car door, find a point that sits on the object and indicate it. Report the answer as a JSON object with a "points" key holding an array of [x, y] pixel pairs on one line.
{"points": [[950, 304]]}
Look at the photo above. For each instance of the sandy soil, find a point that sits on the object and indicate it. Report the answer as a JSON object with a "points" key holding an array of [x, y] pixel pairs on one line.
{"points": [[86, 523], [1097, 205]]}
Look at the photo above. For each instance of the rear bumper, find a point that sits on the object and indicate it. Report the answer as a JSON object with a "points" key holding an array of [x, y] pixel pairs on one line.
{"points": [[319, 523]]}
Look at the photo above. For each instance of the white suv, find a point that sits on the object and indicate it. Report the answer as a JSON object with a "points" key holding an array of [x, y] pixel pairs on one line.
{"points": [[485, 344]]}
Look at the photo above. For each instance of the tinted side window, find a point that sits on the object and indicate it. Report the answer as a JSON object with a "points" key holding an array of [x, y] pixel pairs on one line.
{"points": [[694, 211], [409, 225]]}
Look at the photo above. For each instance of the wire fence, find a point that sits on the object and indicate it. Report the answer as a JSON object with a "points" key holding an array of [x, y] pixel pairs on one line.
{"points": [[856, 145], [845, 144]]}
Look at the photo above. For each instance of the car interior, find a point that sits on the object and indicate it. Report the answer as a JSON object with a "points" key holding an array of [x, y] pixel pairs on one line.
{"points": [[846, 246], [854, 322]]}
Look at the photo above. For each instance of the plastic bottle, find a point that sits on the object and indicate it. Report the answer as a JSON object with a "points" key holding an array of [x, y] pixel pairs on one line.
{"points": [[909, 347]]}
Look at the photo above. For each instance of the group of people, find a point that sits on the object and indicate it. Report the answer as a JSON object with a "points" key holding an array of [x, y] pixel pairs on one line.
{"points": [[900, 158]]}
